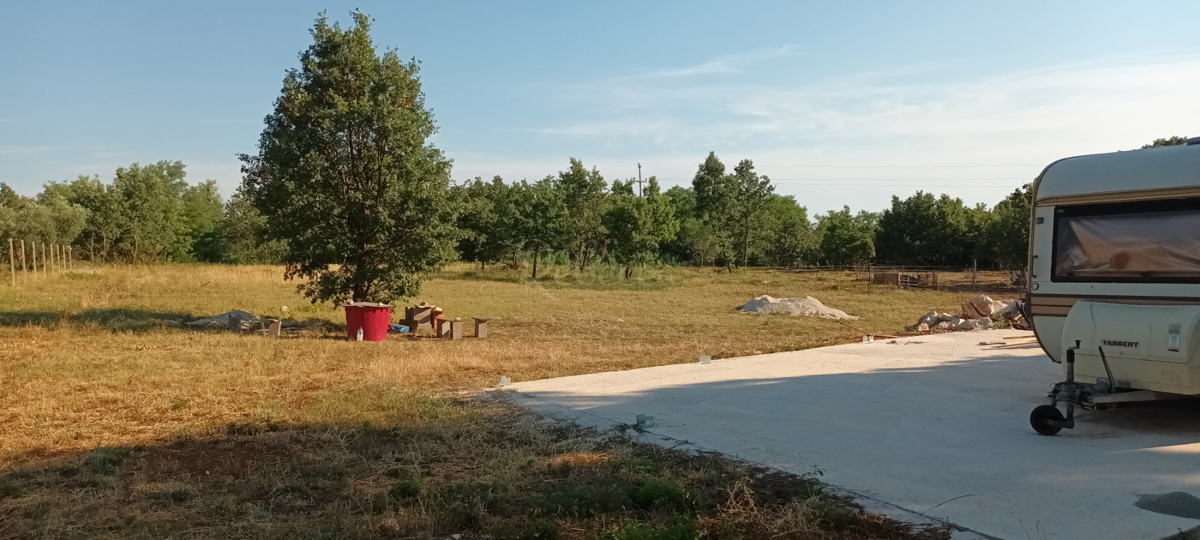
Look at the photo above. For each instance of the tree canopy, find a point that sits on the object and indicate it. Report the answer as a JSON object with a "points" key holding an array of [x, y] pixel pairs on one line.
{"points": [[344, 176]]}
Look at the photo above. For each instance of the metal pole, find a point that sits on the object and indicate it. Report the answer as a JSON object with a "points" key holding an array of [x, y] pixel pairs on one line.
{"points": [[640, 180]]}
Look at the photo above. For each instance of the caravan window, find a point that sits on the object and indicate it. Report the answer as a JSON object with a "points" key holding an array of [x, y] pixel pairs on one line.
{"points": [[1144, 242]]}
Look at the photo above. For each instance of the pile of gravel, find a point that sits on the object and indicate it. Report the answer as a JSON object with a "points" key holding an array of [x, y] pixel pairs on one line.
{"points": [[1175, 503], [806, 306]]}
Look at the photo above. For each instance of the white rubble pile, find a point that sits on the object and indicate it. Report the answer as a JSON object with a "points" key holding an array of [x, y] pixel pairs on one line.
{"points": [[803, 306], [977, 313], [243, 322]]}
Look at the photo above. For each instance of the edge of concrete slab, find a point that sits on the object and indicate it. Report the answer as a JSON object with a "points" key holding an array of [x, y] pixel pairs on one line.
{"points": [[559, 413]]}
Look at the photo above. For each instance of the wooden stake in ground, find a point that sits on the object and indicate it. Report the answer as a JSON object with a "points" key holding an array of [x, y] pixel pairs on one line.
{"points": [[70, 259], [12, 263], [44, 271], [24, 269], [33, 256]]}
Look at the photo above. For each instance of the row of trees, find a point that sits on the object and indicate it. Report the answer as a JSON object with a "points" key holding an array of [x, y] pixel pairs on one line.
{"points": [[146, 214], [725, 218]]}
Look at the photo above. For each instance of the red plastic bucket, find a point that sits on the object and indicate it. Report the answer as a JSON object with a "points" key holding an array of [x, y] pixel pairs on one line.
{"points": [[372, 319]]}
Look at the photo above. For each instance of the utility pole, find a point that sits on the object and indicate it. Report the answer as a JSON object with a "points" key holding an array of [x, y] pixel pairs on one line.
{"points": [[640, 180]]}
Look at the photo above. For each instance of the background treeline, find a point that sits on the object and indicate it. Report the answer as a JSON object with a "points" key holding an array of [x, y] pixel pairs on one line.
{"points": [[146, 214], [726, 218]]}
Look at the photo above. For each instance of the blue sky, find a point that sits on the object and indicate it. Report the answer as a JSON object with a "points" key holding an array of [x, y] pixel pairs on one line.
{"points": [[839, 102]]}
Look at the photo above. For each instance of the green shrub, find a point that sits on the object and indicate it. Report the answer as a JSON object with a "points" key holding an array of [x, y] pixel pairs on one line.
{"points": [[656, 493], [405, 488], [106, 460], [582, 500], [683, 529], [9, 488]]}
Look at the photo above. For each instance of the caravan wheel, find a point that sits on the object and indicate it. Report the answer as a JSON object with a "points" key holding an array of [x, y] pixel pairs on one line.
{"points": [[1040, 414]]}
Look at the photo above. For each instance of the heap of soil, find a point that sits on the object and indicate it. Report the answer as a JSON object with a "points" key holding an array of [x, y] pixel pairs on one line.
{"points": [[804, 306], [1175, 503]]}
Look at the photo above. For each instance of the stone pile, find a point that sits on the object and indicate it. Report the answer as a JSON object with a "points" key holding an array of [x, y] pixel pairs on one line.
{"points": [[977, 313]]}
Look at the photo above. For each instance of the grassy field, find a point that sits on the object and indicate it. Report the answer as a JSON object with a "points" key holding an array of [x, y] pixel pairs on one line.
{"points": [[118, 421]]}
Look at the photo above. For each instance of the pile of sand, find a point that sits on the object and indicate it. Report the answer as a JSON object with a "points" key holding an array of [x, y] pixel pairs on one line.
{"points": [[806, 306], [1176, 503]]}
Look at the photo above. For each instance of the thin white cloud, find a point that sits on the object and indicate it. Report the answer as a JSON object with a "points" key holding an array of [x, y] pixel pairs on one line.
{"points": [[898, 117], [730, 63], [1104, 103]]}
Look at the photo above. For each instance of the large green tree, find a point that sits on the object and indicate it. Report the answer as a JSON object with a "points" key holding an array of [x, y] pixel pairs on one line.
{"points": [[546, 223], [243, 234], [584, 193], [789, 238], [847, 238], [1008, 231], [101, 227], [928, 230], [716, 202], [202, 212], [753, 192], [148, 211], [638, 226], [1169, 141], [344, 174]]}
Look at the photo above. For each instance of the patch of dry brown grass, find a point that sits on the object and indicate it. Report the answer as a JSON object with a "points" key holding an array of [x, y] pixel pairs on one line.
{"points": [[479, 469], [117, 420], [98, 358]]}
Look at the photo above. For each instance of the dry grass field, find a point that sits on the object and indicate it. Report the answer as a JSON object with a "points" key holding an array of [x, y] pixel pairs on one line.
{"points": [[117, 420]]}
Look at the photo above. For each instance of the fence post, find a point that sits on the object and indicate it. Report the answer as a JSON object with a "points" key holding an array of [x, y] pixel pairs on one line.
{"points": [[45, 272], [12, 262], [24, 269], [33, 257], [70, 259]]}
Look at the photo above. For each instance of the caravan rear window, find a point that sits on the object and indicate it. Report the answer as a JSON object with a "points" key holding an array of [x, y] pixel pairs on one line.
{"points": [[1144, 242]]}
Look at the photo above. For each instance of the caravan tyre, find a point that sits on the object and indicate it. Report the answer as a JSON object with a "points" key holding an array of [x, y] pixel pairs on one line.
{"points": [[1038, 418]]}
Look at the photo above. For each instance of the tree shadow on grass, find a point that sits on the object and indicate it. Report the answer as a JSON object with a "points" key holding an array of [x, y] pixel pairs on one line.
{"points": [[137, 320], [116, 319], [448, 466]]}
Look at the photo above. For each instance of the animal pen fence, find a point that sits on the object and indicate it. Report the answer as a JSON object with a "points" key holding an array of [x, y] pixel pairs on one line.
{"points": [[33, 259], [897, 276]]}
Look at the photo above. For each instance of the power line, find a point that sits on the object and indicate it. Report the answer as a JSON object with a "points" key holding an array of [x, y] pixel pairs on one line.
{"points": [[852, 183], [757, 165], [959, 179]]}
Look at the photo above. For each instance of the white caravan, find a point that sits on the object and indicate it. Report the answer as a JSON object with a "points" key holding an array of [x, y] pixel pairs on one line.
{"points": [[1114, 284]]}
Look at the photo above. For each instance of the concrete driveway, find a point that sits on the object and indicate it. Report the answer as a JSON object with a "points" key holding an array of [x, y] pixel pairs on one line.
{"points": [[935, 425]]}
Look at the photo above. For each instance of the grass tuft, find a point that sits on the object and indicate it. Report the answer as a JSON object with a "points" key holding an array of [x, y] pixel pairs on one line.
{"points": [[105, 461]]}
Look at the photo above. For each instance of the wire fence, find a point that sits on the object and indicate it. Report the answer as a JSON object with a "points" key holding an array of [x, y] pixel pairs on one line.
{"points": [[29, 260]]}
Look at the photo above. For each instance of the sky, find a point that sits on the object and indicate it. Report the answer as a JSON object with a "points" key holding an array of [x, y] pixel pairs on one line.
{"points": [[840, 103]]}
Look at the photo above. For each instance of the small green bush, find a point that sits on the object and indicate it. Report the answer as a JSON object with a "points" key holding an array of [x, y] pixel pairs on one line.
{"points": [[9, 488], [682, 529], [406, 488], [107, 460], [656, 493]]}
